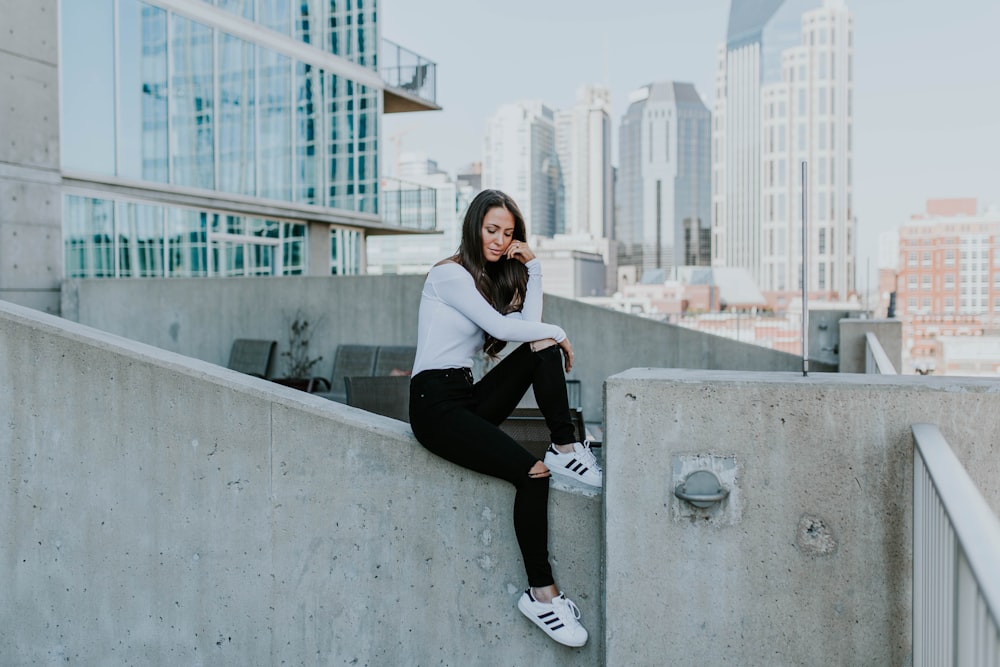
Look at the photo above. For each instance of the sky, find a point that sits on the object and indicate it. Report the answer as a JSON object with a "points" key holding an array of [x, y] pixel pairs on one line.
{"points": [[926, 95]]}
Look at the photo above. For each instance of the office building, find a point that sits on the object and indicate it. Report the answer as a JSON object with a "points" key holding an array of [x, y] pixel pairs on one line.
{"points": [[181, 138], [519, 157], [784, 97], [583, 144], [663, 194]]}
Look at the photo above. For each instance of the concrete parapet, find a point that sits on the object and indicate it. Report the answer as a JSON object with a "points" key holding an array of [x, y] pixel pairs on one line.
{"points": [[162, 510], [852, 342], [200, 318], [808, 560]]}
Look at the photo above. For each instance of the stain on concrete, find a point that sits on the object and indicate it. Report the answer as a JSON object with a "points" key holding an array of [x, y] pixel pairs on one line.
{"points": [[814, 537]]}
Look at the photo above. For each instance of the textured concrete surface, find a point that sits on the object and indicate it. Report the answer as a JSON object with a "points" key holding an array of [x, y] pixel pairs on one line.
{"points": [[159, 510], [852, 343], [30, 199], [812, 564]]}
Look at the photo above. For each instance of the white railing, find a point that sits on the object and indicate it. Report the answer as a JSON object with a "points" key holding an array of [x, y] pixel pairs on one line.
{"points": [[877, 362], [956, 561]]}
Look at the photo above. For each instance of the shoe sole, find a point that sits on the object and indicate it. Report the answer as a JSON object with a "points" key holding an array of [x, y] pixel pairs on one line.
{"points": [[534, 619]]}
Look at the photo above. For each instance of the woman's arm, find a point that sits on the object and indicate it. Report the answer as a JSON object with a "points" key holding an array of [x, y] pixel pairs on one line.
{"points": [[455, 286]]}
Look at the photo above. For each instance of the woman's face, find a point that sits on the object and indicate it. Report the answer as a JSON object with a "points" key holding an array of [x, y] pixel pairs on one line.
{"points": [[497, 232]]}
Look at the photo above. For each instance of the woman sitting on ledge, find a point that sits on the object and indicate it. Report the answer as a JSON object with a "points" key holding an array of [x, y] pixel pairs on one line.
{"points": [[484, 296]]}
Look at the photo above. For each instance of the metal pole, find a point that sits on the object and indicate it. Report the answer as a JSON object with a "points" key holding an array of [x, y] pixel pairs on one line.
{"points": [[805, 271]]}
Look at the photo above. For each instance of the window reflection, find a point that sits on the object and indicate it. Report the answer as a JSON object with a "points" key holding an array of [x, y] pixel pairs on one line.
{"points": [[275, 138], [142, 85], [192, 103], [89, 232], [140, 241], [237, 122]]}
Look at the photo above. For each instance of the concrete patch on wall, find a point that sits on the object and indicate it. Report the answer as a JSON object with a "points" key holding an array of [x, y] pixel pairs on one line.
{"points": [[814, 537], [727, 512]]}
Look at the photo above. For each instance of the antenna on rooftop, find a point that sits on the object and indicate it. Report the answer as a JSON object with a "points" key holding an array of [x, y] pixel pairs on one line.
{"points": [[805, 271]]}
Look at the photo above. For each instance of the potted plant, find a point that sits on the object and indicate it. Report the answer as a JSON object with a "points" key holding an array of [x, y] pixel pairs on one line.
{"points": [[298, 363]]}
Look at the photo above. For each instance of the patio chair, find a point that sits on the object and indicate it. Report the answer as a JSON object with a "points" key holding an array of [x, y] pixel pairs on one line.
{"points": [[395, 359], [387, 395], [348, 361], [252, 356]]}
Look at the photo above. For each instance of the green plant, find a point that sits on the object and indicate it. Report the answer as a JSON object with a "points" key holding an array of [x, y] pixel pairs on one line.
{"points": [[297, 360]]}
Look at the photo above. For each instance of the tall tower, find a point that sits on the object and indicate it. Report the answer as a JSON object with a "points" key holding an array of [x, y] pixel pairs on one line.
{"points": [[519, 157], [664, 186], [583, 144], [783, 96]]}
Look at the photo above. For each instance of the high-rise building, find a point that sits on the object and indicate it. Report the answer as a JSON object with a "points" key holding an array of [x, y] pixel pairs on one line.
{"points": [[783, 97], [166, 138], [519, 157], [583, 144], [663, 196]]}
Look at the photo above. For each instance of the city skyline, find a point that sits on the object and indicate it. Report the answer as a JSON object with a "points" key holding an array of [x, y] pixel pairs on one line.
{"points": [[913, 61]]}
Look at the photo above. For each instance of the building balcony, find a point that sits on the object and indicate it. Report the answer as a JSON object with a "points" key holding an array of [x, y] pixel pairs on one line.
{"points": [[411, 80]]}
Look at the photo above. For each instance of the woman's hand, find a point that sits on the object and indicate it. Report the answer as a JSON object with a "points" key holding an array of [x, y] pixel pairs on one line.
{"points": [[520, 251], [567, 350]]}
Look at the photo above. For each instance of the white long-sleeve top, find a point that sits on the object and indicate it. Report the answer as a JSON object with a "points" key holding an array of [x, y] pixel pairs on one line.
{"points": [[453, 316]]}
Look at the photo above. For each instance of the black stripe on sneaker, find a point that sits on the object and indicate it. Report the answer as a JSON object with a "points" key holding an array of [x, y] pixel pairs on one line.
{"points": [[549, 618], [577, 467]]}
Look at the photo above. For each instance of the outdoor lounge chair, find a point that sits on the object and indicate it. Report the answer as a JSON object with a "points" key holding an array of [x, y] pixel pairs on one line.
{"points": [[252, 356]]}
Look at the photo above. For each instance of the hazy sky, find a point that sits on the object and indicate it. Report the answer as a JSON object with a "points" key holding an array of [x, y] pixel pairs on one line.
{"points": [[926, 84]]}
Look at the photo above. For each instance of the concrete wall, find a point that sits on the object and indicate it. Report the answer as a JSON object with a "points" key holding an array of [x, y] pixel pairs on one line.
{"points": [[852, 342], [808, 561], [158, 510], [31, 252], [200, 318]]}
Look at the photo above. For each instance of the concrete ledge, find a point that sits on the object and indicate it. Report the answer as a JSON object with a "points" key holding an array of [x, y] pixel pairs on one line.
{"points": [[163, 510], [808, 561]]}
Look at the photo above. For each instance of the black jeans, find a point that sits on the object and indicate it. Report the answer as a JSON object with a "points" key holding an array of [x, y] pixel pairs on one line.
{"points": [[458, 421]]}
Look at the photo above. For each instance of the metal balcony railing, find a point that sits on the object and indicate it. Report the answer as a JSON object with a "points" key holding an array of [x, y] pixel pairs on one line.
{"points": [[877, 362], [408, 205], [408, 71], [956, 549]]}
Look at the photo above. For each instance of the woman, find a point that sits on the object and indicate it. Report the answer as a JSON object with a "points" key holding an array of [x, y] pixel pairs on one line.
{"points": [[487, 294]]}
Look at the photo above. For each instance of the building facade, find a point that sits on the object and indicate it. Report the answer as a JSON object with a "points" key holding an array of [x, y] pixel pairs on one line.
{"points": [[784, 96], [948, 278], [186, 138], [583, 145], [519, 157], [663, 190]]}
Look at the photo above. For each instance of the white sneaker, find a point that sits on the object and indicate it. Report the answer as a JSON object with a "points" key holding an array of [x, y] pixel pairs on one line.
{"points": [[560, 619], [579, 465]]}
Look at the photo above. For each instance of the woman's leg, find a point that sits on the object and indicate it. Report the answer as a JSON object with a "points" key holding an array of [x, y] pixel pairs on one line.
{"points": [[450, 430], [500, 390]]}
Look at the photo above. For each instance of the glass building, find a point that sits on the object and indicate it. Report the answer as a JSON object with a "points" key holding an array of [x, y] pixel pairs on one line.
{"points": [[664, 179], [227, 138]]}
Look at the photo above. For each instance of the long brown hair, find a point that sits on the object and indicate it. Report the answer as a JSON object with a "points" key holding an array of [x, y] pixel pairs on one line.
{"points": [[503, 283]]}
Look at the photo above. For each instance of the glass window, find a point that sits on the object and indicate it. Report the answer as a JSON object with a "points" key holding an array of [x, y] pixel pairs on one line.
{"points": [[242, 8], [237, 116], [192, 104], [345, 252], [308, 101], [86, 69], [309, 21], [88, 234], [140, 241], [187, 242], [142, 92], [275, 108], [276, 15]]}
